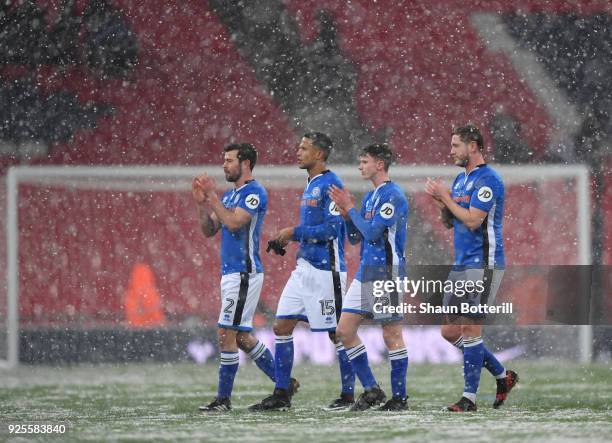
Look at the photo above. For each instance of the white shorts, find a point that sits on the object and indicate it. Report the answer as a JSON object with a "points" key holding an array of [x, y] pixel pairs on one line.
{"points": [[239, 297], [314, 296], [359, 299]]}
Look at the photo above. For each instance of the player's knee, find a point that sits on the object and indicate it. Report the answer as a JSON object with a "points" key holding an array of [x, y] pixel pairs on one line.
{"points": [[471, 331], [278, 329], [333, 336], [220, 334], [243, 340], [222, 338], [281, 329], [344, 333], [450, 333], [393, 337]]}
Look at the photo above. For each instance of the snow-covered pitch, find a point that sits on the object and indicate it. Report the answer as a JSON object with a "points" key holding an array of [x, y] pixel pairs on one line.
{"points": [[555, 401]]}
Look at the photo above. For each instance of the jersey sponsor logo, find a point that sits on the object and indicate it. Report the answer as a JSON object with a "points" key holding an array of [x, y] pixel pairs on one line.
{"points": [[462, 199], [333, 209], [309, 202], [252, 201], [387, 210], [485, 194]]}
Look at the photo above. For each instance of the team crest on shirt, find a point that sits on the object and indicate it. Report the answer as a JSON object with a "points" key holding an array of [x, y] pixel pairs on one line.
{"points": [[236, 199], [485, 194], [252, 201], [387, 210], [315, 192], [469, 186], [333, 209]]}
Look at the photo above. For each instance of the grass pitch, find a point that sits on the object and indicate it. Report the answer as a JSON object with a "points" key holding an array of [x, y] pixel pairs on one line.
{"points": [[555, 401]]}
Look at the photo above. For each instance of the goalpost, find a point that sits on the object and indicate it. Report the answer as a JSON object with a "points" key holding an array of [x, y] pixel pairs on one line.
{"points": [[120, 179]]}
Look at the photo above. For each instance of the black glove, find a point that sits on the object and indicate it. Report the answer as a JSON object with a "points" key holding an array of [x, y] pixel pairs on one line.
{"points": [[275, 246]]}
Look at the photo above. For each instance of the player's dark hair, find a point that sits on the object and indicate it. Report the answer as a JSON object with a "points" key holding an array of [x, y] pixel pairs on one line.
{"points": [[469, 133], [379, 151], [321, 141], [246, 151]]}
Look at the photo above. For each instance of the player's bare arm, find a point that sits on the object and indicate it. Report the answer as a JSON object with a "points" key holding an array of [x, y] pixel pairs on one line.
{"points": [[471, 217], [208, 221], [232, 219]]}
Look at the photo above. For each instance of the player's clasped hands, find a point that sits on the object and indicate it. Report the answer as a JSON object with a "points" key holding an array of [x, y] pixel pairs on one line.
{"points": [[343, 199], [196, 189], [201, 187], [436, 189], [207, 183]]}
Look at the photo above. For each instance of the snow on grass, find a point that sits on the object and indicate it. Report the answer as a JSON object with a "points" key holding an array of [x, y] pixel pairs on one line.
{"points": [[148, 402]]}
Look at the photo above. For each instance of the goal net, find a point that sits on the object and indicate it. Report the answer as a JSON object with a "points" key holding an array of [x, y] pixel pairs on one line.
{"points": [[78, 238]]}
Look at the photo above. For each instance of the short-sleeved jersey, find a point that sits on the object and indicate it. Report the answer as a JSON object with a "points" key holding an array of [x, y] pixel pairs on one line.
{"points": [[384, 218], [321, 231], [483, 247], [240, 249]]}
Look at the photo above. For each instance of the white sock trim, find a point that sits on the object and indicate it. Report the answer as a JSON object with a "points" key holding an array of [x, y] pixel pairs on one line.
{"points": [[258, 350], [470, 396], [469, 342], [398, 354], [229, 358], [355, 351], [283, 339]]}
